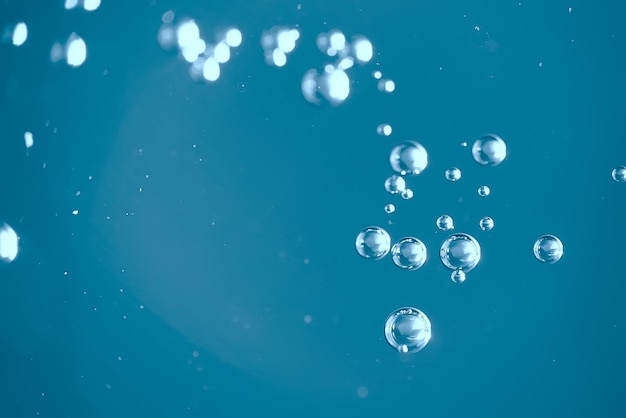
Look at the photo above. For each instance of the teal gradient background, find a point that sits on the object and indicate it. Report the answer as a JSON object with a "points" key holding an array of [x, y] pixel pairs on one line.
{"points": [[188, 299]]}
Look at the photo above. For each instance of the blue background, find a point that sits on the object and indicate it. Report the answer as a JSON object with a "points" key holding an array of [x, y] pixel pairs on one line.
{"points": [[188, 298]]}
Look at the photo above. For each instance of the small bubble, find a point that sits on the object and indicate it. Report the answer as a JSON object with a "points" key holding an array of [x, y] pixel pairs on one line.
{"points": [[384, 129], [445, 223], [457, 276], [486, 223], [308, 319], [484, 191], [489, 150], [619, 174], [406, 194], [390, 208], [548, 249], [386, 85], [395, 184], [453, 174]]}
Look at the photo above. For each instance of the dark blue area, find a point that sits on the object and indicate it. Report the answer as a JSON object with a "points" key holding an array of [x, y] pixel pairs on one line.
{"points": [[188, 298]]}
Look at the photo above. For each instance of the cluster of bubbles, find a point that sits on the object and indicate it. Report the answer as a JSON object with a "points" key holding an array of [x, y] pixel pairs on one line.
{"points": [[408, 329], [205, 58], [277, 43], [331, 84]]}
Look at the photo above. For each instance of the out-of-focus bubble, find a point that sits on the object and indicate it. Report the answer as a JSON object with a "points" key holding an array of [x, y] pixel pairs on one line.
{"points": [[489, 150], [362, 49], [408, 158], [74, 51], [20, 34], [452, 174], [28, 139], [233, 37], [91, 5], [406, 194], [331, 86], [384, 129], [221, 52], [386, 85], [277, 43], [395, 184], [205, 59], [8, 244], [479, 36], [377, 74], [619, 174]]}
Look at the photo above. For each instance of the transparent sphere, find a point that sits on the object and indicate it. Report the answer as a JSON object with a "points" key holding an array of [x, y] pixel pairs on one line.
{"points": [[486, 223], [460, 252], [408, 158], [484, 191], [406, 194], [489, 150], [373, 243], [457, 276], [390, 208], [548, 249], [619, 174], [395, 184], [445, 223], [409, 253], [452, 174], [408, 330]]}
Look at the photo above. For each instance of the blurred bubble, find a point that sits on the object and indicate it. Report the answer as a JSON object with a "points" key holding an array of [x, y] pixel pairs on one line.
{"points": [[408, 158], [386, 85], [277, 43], [8, 244], [330, 86], [395, 184], [390, 208], [619, 174], [74, 51], [406, 194], [452, 174], [479, 36], [489, 150], [384, 129]]}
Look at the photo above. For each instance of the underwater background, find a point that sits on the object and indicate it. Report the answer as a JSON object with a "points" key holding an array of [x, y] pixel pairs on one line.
{"points": [[182, 244]]}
